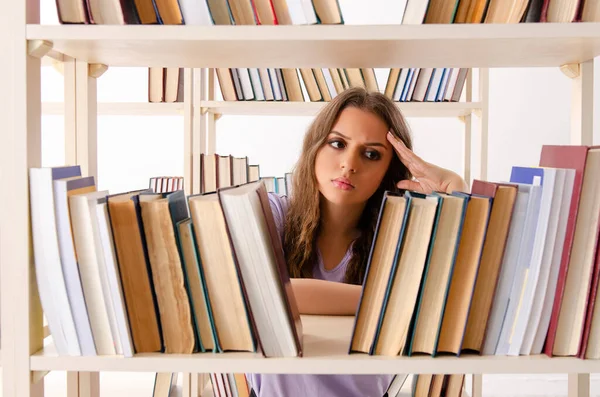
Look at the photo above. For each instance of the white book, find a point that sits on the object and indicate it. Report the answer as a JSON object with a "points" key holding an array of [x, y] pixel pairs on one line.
{"points": [[89, 271], [543, 246], [296, 10], [522, 266], [113, 277], [195, 12], [329, 82], [507, 271], [557, 221], [246, 83], [69, 259], [106, 292], [259, 95], [258, 268], [309, 12], [275, 85], [546, 314], [401, 84], [265, 81], [50, 279], [374, 12]]}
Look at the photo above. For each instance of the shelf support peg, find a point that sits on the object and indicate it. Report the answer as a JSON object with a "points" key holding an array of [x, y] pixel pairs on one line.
{"points": [[96, 70], [39, 48], [571, 70]]}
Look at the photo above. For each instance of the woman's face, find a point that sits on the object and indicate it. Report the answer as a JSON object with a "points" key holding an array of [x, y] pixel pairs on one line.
{"points": [[354, 159]]}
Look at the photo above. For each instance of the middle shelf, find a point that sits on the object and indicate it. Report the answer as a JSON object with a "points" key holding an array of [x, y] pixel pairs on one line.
{"points": [[326, 340], [409, 109]]}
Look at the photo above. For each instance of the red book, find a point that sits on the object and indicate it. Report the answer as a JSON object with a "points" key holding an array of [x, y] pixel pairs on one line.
{"points": [[557, 156]]}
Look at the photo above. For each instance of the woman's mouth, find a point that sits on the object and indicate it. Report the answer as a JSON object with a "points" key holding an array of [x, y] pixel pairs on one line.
{"points": [[343, 183]]}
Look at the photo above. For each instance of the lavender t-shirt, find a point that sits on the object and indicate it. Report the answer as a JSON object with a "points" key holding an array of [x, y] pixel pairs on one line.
{"points": [[282, 385]]}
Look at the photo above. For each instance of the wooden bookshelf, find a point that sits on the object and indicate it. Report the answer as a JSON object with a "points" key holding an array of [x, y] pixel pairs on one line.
{"points": [[25, 360], [409, 109], [468, 45], [326, 341], [122, 108]]}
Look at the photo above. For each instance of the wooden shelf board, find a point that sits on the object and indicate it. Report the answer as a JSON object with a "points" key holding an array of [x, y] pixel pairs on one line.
{"points": [[461, 45], [409, 109], [123, 108], [326, 341]]}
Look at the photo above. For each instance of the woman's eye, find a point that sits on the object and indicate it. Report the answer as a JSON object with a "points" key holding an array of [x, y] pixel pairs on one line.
{"points": [[337, 144], [372, 155]]}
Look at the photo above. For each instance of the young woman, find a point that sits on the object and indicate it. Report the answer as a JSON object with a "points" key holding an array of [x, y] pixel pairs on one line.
{"points": [[358, 147]]}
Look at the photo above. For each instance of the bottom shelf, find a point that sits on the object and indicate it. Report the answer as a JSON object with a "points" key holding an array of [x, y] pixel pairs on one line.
{"points": [[326, 341]]}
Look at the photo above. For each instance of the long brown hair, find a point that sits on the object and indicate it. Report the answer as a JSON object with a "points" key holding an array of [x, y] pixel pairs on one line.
{"points": [[303, 217]]}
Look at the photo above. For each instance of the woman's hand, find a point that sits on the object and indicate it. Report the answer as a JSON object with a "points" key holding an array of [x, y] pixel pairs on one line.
{"points": [[428, 177]]}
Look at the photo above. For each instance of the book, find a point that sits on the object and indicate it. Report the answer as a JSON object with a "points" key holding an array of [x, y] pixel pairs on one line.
{"points": [[262, 269]]}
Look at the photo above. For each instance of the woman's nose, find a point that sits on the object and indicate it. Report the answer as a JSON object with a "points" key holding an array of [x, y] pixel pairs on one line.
{"points": [[350, 163]]}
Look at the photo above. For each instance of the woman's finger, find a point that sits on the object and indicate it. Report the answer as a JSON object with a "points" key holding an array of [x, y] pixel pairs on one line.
{"points": [[410, 185], [407, 156]]}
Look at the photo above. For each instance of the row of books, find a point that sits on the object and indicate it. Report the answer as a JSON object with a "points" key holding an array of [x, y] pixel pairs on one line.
{"points": [[438, 385], [224, 170], [219, 171], [510, 268], [141, 271]]}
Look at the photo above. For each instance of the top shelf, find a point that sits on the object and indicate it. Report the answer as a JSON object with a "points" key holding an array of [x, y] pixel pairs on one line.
{"points": [[348, 46]]}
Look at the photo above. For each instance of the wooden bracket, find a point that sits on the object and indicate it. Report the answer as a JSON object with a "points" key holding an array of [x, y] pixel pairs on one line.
{"points": [[96, 70], [218, 116], [38, 48], [462, 119], [571, 70], [203, 110], [36, 376]]}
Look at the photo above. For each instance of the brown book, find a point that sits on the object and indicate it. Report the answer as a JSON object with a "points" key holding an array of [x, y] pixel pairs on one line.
{"points": [[471, 11], [506, 11], [406, 275], [464, 274], [167, 272], [230, 314], [392, 81], [423, 385], [134, 267], [310, 82], [383, 255], [430, 308], [328, 12], [146, 12], [322, 83], [441, 11], [292, 85], [437, 383], [493, 252]]}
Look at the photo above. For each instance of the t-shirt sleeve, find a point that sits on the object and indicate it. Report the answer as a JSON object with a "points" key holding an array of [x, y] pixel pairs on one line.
{"points": [[279, 206]]}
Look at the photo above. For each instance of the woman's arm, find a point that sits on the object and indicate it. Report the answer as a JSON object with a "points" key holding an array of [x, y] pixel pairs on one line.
{"points": [[315, 296]]}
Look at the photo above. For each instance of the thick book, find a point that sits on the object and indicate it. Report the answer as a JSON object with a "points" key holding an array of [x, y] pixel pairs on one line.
{"points": [[504, 196], [136, 273], [160, 212], [397, 311], [384, 253], [231, 314], [262, 269], [465, 273], [562, 156]]}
